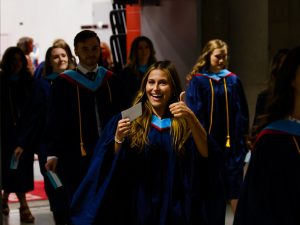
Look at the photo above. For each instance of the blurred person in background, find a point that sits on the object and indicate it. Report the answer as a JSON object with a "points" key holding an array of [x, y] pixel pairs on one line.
{"points": [[26, 44], [17, 155]]}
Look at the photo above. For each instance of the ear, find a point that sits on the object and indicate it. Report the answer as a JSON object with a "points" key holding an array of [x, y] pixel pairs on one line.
{"points": [[75, 51]]}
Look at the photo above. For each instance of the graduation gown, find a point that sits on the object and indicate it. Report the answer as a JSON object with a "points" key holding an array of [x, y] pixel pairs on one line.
{"points": [[219, 102], [78, 107], [15, 94], [271, 190], [155, 186], [36, 109], [34, 130]]}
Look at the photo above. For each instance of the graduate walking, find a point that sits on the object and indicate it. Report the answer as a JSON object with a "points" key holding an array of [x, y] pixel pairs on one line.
{"points": [[79, 108], [152, 170], [216, 96]]}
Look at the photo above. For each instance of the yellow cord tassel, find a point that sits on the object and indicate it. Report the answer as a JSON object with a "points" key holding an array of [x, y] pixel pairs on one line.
{"points": [[228, 142], [83, 152]]}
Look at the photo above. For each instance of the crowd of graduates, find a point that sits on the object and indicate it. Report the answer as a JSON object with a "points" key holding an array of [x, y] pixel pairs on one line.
{"points": [[180, 162]]}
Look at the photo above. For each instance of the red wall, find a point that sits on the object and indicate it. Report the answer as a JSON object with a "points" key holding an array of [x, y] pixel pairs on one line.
{"points": [[133, 22]]}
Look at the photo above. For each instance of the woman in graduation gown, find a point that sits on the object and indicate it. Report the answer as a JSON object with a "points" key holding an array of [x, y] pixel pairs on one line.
{"points": [[16, 89], [217, 97], [271, 191], [58, 59], [150, 170]]}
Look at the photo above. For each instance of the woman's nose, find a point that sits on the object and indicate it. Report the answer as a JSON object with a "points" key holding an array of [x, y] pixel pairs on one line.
{"points": [[156, 87]]}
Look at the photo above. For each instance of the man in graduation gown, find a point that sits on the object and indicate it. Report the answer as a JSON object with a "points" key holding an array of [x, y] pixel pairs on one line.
{"points": [[271, 191], [80, 106]]}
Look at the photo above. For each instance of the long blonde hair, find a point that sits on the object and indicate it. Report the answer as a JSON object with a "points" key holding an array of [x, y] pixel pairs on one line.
{"points": [[204, 59], [140, 127]]}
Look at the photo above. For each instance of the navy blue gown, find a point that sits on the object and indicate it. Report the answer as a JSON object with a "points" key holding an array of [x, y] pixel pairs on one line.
{"points": [[15, 96], [155, 186], [271, 190], [219, 102], [35, 129]]}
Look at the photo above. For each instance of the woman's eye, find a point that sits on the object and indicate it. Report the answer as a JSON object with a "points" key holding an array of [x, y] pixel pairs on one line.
{"points": [[163, 82]]}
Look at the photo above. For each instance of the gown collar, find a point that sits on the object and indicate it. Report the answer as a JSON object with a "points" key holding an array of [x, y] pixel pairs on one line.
{"points": [[161, 124], [77, 77], [51, 76], [286, 126], [84, 70], [216, 76]]}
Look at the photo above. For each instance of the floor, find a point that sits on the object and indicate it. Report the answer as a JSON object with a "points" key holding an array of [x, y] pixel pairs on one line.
{"points": [[42, 214]]}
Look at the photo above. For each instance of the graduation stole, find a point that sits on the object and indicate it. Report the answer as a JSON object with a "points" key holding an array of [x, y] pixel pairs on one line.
{"points": [[285, 126], [217, 77], [80, 80], [282, 126], [51, 76], [92, 85], [160, 124]]}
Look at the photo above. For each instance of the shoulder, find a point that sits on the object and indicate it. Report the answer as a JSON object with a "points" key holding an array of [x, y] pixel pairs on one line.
{"points": [[199, 78], [232, 77], [270, 140], [63, 82]]}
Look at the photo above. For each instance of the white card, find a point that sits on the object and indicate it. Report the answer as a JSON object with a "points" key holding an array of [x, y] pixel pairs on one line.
{"points": [[133, 112]]}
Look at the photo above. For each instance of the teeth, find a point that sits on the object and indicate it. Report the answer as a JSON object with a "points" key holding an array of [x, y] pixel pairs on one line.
{"points": [[157, 96]]}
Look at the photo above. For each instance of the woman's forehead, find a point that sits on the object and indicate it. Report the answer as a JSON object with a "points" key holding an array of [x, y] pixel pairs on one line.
{"points": [[219, 51]]}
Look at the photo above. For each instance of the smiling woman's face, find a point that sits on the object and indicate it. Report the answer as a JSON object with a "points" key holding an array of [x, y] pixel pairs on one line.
{"points": [[158, 89], [59, 60]]}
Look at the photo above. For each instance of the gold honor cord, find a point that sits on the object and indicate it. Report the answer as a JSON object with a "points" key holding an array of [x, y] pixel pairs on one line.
{"points": [[212, 105], [83, 152], [296, 143], [227, 114]]}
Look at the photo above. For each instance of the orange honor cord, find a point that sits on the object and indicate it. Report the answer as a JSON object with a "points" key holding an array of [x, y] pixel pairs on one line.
{"points": [[83, 151], [227, 114]]}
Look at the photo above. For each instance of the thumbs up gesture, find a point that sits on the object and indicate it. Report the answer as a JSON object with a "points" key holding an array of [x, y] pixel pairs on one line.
{"points": [[182, 96], [180, 109]]}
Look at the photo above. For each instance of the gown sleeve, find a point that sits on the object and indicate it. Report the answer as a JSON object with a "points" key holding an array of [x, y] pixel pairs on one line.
{"points": [[90, 194], [196, 94]]}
